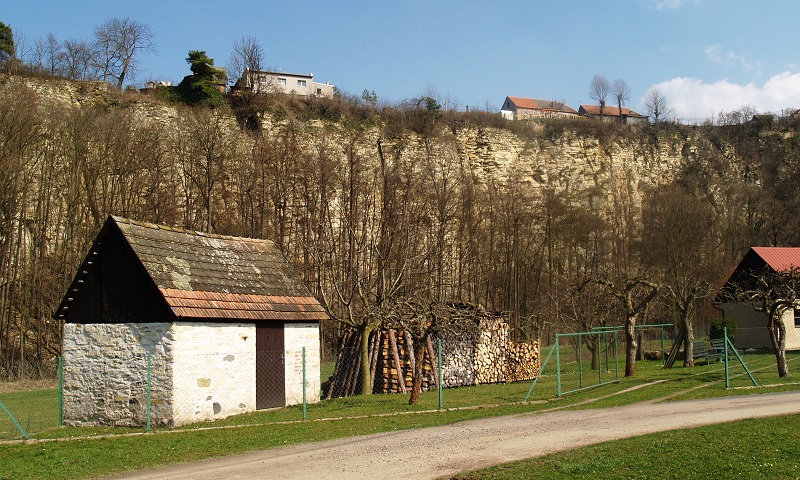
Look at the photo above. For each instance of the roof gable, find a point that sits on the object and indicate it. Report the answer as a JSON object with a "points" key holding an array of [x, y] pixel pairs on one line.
{"points": [[208, 276], [779, 259]]}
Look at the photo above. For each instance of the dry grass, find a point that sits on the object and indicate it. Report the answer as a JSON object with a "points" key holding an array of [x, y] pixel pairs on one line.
{"points": [[27, 385]]}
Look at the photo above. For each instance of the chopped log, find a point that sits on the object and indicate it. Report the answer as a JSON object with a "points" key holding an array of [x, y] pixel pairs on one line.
{"points": [[398, 365], [434, 364]]}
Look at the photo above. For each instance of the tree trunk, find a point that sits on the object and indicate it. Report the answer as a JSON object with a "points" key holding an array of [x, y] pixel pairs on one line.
{"points": [[777, 333], [631, 346], [419, 363], [366, 376]]}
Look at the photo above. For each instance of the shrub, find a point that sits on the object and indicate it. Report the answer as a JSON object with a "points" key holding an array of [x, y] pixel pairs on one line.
{"points": [[718, 328]]}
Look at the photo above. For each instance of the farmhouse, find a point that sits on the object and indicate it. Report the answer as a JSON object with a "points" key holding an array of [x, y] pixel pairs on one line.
{"points": [[752, 323], [185, 325], [613, 114], [518, 108]]}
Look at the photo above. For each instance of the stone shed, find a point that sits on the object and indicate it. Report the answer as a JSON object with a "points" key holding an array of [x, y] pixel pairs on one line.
{"points": [[203, 326]]}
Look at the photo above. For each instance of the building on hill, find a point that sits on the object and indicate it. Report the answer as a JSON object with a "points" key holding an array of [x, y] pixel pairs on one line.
{"points": [[752, 331], [612, 114], [518, 108], [260, 81], [185, 325]]}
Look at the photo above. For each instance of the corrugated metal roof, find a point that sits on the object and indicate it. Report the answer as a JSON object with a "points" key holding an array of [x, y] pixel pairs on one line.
{"points": [[780, 259]]}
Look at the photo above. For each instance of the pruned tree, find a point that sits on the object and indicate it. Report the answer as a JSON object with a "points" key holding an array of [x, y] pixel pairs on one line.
{"points": [[621, 93], [679, 233], [634, 295], [598, 90], [118, 42], [656, 104]]}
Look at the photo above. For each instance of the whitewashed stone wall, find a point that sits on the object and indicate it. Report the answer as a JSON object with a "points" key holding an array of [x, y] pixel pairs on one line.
{"points": [[295, 337], [105, 373], [198, 372], [214, 370]]}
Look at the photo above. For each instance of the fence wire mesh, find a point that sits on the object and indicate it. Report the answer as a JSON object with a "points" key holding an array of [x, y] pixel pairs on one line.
{"points": [[179, 390]]}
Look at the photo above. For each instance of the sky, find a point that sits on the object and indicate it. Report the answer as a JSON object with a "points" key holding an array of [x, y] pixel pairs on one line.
{"points": [[706, 56]]}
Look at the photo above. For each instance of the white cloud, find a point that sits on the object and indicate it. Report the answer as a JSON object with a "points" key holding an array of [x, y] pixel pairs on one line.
{"points": [[692, 98]]}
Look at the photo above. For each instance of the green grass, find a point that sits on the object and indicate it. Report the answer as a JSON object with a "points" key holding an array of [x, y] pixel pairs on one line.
{"points": [[762, 448], [81, 457]]}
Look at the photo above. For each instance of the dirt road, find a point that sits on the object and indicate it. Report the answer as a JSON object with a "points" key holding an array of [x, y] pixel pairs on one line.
{"points": [[438, 451]]}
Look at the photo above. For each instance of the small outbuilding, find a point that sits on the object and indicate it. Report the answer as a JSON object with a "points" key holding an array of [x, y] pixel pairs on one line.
{"points": [[186, 326], [752, 331]]}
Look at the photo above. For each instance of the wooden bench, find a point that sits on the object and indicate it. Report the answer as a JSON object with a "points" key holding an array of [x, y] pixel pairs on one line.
{"points": [[718, 344], [701, 350]]}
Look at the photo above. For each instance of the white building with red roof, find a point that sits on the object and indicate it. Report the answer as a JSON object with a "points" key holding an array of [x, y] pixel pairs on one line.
{"points": [[752, 323], [519, 108]]}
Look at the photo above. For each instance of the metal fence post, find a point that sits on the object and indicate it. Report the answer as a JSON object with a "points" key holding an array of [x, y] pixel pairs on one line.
{"points": [[60, 391], [149, 388], [439, 366], [558, 364], [305, 413], [725, 358]]}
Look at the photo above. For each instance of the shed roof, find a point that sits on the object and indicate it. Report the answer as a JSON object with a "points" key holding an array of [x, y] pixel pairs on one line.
{"points": [[203, 275], [536, 104]]}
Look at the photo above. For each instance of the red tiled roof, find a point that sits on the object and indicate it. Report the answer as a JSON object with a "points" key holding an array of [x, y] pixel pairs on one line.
{"points": [[608, 111], [536, 104], [780, 259]]}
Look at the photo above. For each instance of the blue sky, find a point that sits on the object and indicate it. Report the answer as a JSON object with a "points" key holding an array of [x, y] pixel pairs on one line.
{"points": [[706, 56]]}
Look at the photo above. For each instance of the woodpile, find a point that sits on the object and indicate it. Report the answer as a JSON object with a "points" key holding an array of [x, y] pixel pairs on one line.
{"points": [[522, 361], [490, 350], [473, 353]]}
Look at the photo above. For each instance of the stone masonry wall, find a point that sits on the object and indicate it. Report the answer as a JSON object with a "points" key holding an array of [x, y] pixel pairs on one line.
{"points": [[295, 337], [105, 374], [214, 371]]}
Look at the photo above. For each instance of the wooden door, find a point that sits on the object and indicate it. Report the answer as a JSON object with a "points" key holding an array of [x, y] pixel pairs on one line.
{"points": [[270, 370]]}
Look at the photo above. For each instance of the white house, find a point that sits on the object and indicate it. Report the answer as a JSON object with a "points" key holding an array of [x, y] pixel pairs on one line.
{"points": [[189, 326], [279, 82], [519, 108], [751, 321]]}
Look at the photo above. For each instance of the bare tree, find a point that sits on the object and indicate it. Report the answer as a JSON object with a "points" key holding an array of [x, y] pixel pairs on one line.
{"points": [[247, 57], [681, 243], [77, 60], [774, 293], [656, 104], [598, 90], [118, 42], [622, 93]]}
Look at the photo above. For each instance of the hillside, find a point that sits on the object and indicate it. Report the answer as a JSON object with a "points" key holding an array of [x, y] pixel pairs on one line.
{"points": [[377, 205]]}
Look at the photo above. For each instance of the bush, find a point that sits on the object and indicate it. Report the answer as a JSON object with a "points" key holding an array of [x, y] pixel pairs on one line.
{"points": [[718, 329]]}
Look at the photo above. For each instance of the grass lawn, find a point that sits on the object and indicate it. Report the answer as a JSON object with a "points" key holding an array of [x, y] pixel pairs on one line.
{"points": [[77, 456], [764, 448]]}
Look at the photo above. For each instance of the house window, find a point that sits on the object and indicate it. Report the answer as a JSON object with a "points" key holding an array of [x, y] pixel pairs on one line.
{"points": [[797, 317], [319, 91], [262, 79], [281, 81], [301, 83]]}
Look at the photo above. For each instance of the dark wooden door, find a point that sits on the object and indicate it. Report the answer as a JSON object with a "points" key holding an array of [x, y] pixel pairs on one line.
{"points": [[270, 376]]}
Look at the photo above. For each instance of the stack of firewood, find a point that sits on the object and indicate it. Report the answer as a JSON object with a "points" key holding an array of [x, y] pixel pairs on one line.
{"points": [[490, 355], [522, 361]]}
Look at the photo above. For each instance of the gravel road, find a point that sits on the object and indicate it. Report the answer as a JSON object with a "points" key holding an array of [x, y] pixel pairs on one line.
{"points": [[438, 451]]}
